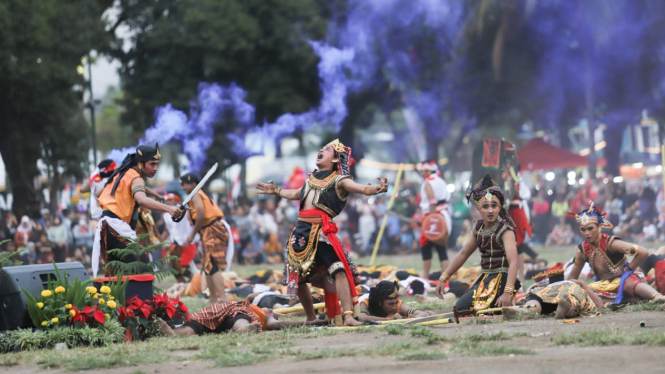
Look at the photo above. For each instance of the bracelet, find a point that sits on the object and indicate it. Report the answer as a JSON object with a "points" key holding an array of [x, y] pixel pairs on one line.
{"points": [[365, 189], [444, 277], [278, 189], [348, 312], [656, 294]]}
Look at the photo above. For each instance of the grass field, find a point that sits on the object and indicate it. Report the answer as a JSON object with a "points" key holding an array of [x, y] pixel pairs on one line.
{"points": [[523, 342]]}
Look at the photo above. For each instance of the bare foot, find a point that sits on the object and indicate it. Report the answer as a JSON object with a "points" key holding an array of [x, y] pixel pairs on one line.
{"points": [[564, 308], [662, 308], [165, 329], [510, 312], [422, 299], [249, 329], [350, 321], [660, 299]]}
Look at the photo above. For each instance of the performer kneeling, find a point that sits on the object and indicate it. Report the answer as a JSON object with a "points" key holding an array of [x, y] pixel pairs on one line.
{"points": [[383, 304], [495, 237], [120, 199], [315, 254]]}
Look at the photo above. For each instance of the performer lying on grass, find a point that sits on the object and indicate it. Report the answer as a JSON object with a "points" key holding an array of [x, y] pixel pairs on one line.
{"points": [[616, 278], [314, 253], [495, 237], [566, 299], [242, 317], [383, 304]]}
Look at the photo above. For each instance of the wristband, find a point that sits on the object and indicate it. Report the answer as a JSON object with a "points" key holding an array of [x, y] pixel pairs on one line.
{"points": [[278, 190], [444, 277]]}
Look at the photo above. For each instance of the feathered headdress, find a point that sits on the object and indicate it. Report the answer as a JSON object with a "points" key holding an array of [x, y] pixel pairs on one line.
{"points": [[592, 215]]}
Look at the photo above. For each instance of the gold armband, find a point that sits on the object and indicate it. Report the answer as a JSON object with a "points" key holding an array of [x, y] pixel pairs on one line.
{"points": [[632, 250], [278, 189], [348, 312], [137, 189]]}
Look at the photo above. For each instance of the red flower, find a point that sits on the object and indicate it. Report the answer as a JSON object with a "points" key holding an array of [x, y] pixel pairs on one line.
{"points": [[98, 316], [139, 307], [124, 313]]}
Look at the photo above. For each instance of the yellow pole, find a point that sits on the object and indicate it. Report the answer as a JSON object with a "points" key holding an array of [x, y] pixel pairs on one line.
{"points": [[298, 308], [385, 215], [662, 154]]}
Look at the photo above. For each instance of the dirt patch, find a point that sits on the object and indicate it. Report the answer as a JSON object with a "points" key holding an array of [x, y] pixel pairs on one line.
{"points": [[379, 352]]}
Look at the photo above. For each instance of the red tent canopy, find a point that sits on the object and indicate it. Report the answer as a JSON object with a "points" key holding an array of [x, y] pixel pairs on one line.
{"points": [[540, 155]]}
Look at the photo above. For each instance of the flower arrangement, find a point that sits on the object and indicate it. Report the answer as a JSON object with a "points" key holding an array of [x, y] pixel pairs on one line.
{"points": [[143, 317]]}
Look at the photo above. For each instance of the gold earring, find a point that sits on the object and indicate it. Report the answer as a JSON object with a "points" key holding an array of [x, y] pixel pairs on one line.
{"points": [[139, 165], [334, 161]]}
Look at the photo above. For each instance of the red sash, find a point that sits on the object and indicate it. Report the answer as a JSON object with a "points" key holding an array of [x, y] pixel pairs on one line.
{"points": [[330, 229]]}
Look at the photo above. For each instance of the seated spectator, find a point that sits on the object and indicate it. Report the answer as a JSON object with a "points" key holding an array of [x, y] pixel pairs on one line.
{"points": [[57, 235], [252, 256], [83, 234], [463, 235], [274, 250], [649, 231], [561, 234], [44, 250], [23, 232]]}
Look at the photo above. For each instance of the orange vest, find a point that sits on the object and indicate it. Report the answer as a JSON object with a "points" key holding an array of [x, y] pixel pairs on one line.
{"points": [[212, 211], [122, 203]]}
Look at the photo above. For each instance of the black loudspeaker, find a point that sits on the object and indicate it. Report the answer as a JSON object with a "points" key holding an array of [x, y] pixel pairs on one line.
{"points": [[34, 278]]}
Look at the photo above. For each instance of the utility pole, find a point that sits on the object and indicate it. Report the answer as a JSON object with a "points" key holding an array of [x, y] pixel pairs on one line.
{"points": [[589, 98], [91, 106]]}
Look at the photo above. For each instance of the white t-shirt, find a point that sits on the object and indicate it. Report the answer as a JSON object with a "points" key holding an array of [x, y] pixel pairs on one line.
{"points": [[95, 209], [178, 231], [440, 192]]}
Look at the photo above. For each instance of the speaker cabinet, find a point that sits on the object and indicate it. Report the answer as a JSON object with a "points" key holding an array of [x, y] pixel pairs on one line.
{"points": [[34, 278]]}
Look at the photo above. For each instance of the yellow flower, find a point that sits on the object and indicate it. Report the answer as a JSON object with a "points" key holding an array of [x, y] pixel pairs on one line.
{"points": [[44, 323], [101, 301], [72, 313], [111, 304], [59, 289], [111, 298], [68, 306], [47, 293], [107, 316], [40, 305], [105, 289], [54, 319], [96, 296], [91, 290]]}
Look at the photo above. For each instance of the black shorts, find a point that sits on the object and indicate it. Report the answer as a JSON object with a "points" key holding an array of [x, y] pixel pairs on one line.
{"points": [[225, 326], [546, 308], [426, 251], [326, 255]]}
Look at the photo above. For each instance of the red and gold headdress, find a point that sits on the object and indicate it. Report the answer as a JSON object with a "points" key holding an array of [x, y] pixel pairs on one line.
{"points": [[429, 165], [343, 156], [486, 190], [592, 215]]}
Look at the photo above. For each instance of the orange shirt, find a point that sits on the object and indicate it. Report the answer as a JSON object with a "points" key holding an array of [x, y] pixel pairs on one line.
{"points": [[122, 203], [212, 211]]}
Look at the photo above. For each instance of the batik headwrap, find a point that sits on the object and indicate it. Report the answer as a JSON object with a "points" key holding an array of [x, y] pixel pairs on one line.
{"points": [[343, 155], [592, 215], [487, 190], [193, 178], [385, 290], [144, 153]]}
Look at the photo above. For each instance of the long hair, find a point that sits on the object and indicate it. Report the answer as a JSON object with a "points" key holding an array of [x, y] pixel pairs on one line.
{"points": [[128, 163]]}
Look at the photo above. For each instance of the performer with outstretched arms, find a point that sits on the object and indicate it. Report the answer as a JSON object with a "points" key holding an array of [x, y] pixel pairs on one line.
{"points": [[494, 235], [616, 279], [315, 254], [120, 199]]}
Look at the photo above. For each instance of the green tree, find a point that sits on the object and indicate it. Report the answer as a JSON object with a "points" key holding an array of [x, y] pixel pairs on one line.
{"points": [[259, 44], [42, 43]]}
